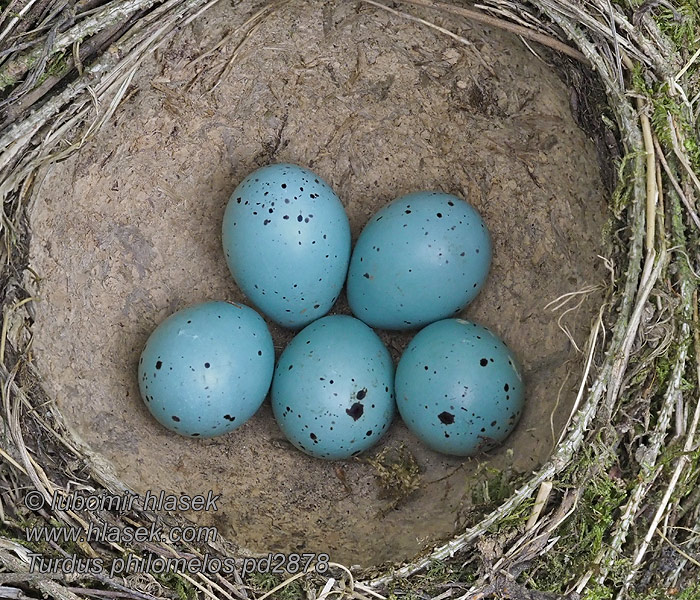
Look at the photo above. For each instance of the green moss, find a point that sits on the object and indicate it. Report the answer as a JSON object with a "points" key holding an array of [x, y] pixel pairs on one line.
{"points": [[264, 582], [586, 532], [432, 581], [397, 473], [172, 581]]}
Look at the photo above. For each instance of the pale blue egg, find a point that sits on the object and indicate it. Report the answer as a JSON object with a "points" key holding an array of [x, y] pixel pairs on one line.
{"points": [[206, 369], [421, 258], [459, 388], [333, 388], [286, 239]]}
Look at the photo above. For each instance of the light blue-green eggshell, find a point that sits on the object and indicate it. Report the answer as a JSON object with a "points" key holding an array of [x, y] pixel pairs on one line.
{"points": [[421, 258], [459, 388], [206, 369], [333, 388], [286, 239]]}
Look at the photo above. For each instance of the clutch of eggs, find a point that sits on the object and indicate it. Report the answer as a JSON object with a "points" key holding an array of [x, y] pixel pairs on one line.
{"points": [[206, 369]]}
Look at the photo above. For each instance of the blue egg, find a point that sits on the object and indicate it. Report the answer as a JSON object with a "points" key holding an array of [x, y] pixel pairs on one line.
{"points": [[422, 258], [206, 369], [459, 388], [286, 238], [333, 388]]}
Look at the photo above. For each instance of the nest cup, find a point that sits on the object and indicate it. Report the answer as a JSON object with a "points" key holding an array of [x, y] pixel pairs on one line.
{"points": [[114, 189]]}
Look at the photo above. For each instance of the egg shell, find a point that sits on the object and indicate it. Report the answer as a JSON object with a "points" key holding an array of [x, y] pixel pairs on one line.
{"points": [[206, 369], [333, 388], [459, 388], [421, 258], [286, 239]]}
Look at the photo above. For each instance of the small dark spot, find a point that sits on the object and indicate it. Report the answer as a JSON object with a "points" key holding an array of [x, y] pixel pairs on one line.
{"points": [[195, 435], [284, 186], [447, 435], [506, 387], [493, 423], [238, 200], [450, 203], [286, 217], [207, 365], [290, 367], [356, 410], [266, 221], [368, 433], [446, 418], [313, 436], [159, 364], [176, 419], [366, 276], [317, 305], [439, 215], [362, 393], [483, 362], [229, 418], [300, 218], [259, 352]]}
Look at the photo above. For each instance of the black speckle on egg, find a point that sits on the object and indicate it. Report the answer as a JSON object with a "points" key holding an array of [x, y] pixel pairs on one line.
{"points": [[284, 186], [356, 410], [195, 435], [493, 423], [176, 419], [439, 215], [368, 433], [446, 418], [207, 365], [290, 367], [483, 362], [266, 221], [506, 387], [159, 364], [366, 276], [229, 418], [313, 437], [300, 218], [362, 393], [286, 217]]}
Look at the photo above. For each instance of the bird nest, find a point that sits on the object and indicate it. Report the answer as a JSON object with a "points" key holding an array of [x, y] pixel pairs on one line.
{"points": [[613, 512]]}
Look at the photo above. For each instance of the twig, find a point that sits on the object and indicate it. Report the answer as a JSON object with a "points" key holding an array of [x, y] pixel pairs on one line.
{"points": [[674, 182], [526, 32]]}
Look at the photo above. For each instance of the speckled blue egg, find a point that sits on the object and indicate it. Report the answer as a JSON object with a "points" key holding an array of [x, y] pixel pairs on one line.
{"points": [[286, 238], [333, 388], [459, 388], [421, 258], [206, 369]]}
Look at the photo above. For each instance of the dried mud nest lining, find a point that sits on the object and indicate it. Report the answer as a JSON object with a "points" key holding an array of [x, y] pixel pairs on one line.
{"points": [[612, 512]]}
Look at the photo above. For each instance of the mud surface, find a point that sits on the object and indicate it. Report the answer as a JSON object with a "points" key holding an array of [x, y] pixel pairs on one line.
{"points": [[128, 231]]}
